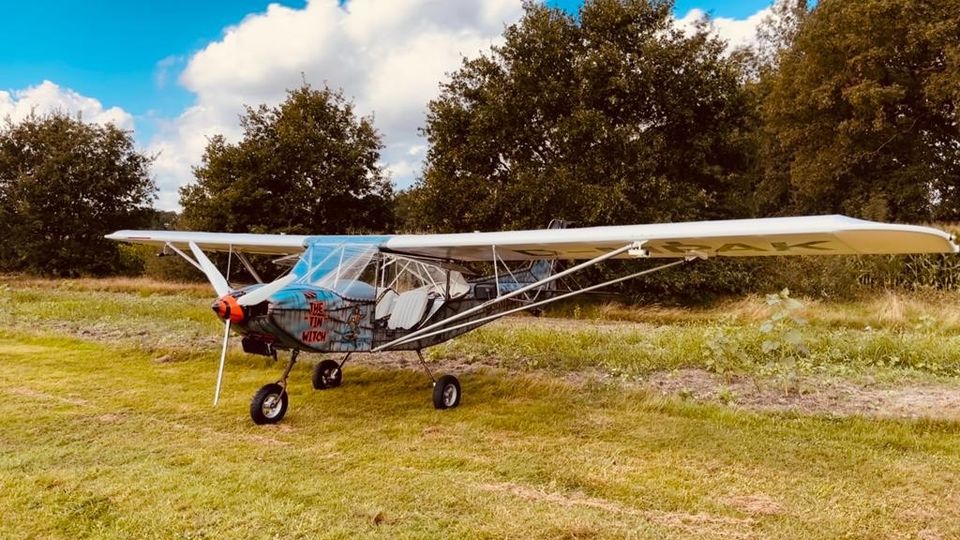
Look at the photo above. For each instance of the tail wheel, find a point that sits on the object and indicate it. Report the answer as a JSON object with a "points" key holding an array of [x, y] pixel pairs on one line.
{"points": [[269, 404], [446, 392], [327, 374]]}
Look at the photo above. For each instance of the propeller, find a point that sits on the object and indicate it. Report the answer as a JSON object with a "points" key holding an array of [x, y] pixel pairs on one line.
{"points": [[260, 294], [213, 275], [230, 308]]}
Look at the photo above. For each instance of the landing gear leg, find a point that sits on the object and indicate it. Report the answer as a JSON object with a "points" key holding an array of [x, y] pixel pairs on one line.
{"points": [[269, 404], [425, 368], [446, 389]]}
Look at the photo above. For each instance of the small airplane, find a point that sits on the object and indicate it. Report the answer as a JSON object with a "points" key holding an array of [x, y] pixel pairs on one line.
{"points": [[367, 293]]}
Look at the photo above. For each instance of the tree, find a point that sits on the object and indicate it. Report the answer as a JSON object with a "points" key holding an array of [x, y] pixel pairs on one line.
{"points": [[307, 166], [613, 117], [63, 185], [777, 32], [863, 110]]}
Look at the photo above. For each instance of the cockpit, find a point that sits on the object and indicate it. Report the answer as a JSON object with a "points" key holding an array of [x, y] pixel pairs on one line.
{"points": [[405, 290]]}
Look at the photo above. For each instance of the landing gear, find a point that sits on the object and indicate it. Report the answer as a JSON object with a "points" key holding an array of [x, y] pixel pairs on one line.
{"points": [[446, 392], [269, 404], [446, 389], [328, 374]]}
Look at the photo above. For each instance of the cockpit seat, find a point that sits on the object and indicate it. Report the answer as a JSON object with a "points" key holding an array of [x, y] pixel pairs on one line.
{"points": [[385, 304], [409, 308]]}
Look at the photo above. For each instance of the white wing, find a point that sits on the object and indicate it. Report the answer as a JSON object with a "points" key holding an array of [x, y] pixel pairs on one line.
{"points": [[267, 244], [808, 235]]}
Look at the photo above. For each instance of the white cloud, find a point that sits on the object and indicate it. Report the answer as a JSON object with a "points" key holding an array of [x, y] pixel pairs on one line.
{"points": [[736, 32], [163, 69], [388, 56], [48, 97]]}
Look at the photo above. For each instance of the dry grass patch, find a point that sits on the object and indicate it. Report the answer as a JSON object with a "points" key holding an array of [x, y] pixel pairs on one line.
{"points": [[132, 285]]}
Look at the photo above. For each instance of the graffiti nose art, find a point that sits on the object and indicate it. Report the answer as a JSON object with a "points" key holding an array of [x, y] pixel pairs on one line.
{"points": [[227, 308]]}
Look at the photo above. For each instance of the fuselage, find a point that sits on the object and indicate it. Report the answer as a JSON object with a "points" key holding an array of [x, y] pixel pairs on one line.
{"points": [[324, 320]]}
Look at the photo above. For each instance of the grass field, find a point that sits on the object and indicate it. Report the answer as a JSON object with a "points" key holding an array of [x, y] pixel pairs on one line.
{"points": [[107, 428]]}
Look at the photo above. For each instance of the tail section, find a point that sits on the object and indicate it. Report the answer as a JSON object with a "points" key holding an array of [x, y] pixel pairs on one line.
{"points": [[538, 270], [543, 268], [506, 281]]}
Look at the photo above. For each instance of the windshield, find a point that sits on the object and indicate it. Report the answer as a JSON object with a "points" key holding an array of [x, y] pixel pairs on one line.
{"points": [[332, 266], [351, 270]]}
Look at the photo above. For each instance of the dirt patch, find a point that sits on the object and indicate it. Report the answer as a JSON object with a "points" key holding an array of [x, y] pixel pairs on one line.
{"points": [[760, 505], [534, 494], [31, 393], [811, 395], [698, 524], [702, 524]]}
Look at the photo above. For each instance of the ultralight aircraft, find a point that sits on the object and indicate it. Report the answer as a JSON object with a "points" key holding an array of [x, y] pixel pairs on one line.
{"points": [[363, 293]]}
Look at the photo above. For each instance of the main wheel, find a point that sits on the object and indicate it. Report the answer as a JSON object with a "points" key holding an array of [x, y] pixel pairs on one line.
{"points": [[446, 392], [327, 374], [269, 404]]}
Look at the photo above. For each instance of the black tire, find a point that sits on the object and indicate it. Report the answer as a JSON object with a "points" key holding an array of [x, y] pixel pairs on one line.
{"points": [[264, 408], [446, 392], [327, 374]]}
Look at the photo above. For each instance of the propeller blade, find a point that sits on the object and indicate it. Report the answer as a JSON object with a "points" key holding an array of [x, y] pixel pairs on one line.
{"points": [[259, 295], [216, 278], [223, 358]]}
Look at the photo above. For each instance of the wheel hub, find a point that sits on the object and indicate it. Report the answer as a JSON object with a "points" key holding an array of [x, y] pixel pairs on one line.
{"points": [[449, 395], [271, 406]]}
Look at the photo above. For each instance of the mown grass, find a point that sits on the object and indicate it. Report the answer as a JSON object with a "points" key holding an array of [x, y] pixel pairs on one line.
{"points": [[99, 441], [106, 430]]}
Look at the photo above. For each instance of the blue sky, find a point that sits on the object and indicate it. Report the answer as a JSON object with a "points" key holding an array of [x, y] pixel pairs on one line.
{"points": [[388, 57], [113, 50]]}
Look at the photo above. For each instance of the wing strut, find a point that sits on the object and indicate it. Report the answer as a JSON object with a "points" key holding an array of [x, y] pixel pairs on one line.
{"points": [[249, 267], [184, 255]]}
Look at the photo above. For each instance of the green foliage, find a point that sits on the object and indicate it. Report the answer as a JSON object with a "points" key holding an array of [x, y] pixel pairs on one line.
{"points": [[307, 166], [612, 117], [861, 116], [64, 184], [782, 329]]}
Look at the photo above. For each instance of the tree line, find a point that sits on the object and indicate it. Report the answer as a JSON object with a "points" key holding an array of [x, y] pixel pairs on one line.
{"points": [[612, 115]]}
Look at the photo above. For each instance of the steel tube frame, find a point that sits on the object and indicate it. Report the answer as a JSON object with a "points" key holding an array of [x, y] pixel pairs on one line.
{"points": [[495, 316], [500, 298]]}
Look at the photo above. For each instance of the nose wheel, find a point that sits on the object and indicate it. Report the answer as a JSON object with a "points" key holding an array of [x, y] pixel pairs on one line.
{"points": [[269, 404]]}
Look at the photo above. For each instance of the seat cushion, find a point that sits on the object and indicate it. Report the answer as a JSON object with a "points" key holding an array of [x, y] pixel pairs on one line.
{"points": [[385, 304], [409, 308]]}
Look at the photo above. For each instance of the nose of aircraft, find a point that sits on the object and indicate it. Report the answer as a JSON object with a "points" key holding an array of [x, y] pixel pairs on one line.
{"points": [[227, 308]]}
